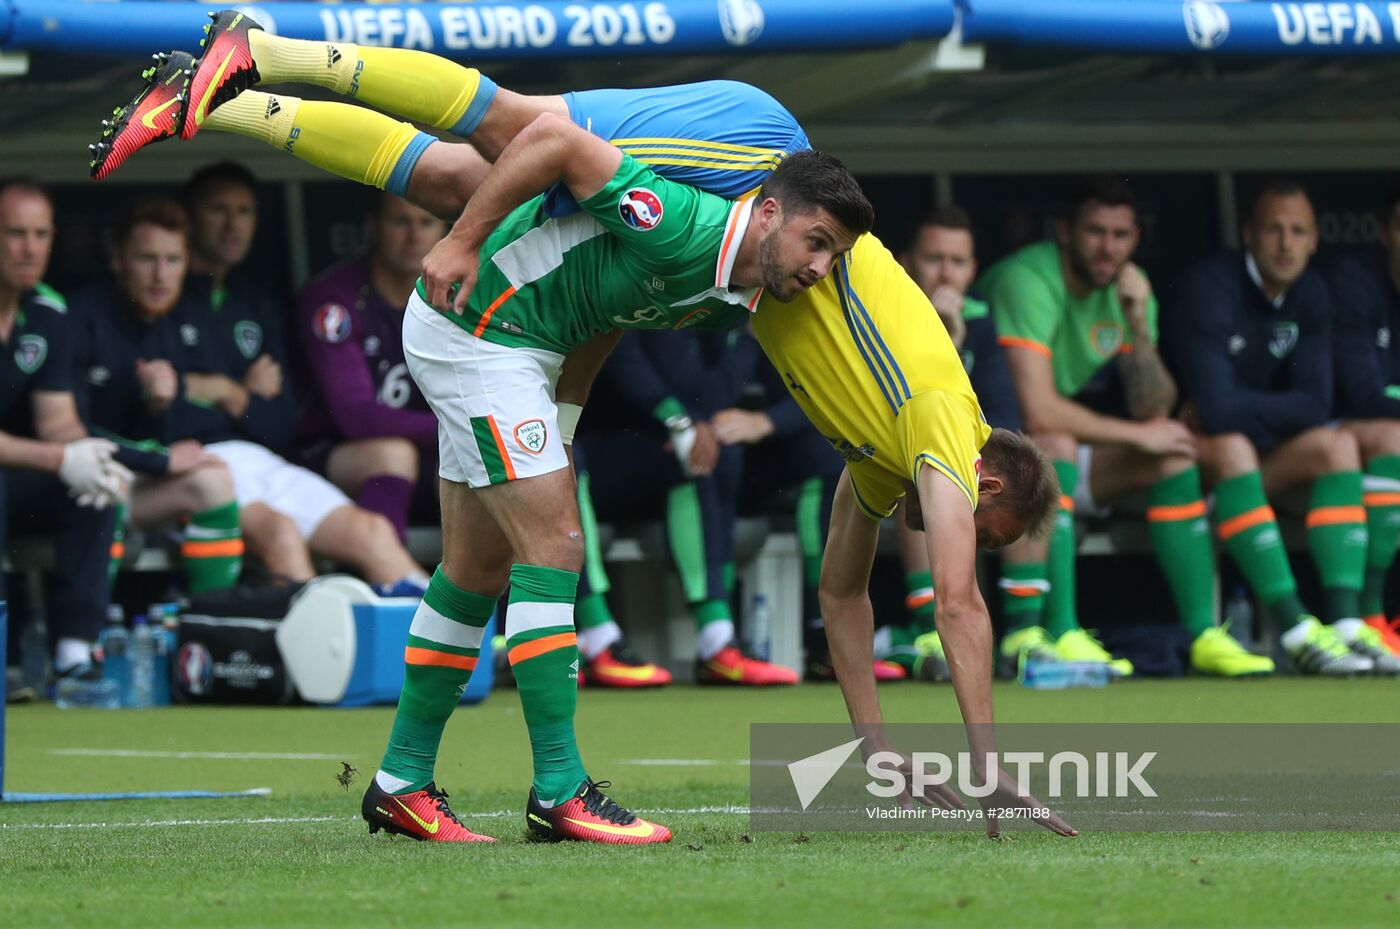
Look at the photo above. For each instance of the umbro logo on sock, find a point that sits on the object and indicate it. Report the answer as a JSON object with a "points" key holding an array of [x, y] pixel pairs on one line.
{"points": [[332, 56], [273, 108], [574, 669]]}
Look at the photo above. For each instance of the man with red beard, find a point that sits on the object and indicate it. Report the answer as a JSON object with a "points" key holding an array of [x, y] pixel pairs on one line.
{"points": [[124, 354]]}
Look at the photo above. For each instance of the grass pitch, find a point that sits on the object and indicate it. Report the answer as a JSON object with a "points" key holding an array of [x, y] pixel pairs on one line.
{"points": [[302, 857]]}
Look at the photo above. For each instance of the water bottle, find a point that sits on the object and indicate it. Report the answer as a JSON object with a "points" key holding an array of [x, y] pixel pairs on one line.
{"points": [[1239, 616], [162, 622], [115, 643], [34, 651], [760, 626], [76, 692], [143, 657], [1061, 675]]}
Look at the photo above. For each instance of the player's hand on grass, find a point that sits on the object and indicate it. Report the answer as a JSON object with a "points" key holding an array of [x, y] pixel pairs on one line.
{"points": [[939, 795], [450, 263], [264, 377], [741, 427], [1008, 795], [1163, 436]]}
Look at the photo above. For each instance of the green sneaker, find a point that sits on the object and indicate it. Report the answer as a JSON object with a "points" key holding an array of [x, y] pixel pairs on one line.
{"points": [[1368, 643], [1022, 645], [932, 663], [1217, 653], [1323, 652], [1078, 645]]}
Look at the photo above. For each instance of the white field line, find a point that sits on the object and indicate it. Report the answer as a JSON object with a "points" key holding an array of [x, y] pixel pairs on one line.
{"points": [[214, 756], [291, 820]]}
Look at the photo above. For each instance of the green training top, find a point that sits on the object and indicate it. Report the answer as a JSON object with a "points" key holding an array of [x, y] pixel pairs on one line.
{"points": [[644, 253], [1034, 309]]}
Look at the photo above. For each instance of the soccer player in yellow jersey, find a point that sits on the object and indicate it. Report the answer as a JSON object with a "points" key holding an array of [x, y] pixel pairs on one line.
{"points": [[861, 350]]}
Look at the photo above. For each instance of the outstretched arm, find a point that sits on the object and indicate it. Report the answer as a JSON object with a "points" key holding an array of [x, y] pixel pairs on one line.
{"points": [[548, 151]]}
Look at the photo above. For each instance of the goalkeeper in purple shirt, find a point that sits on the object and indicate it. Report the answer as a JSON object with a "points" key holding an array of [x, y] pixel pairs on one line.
{"points": [[364, 423]]}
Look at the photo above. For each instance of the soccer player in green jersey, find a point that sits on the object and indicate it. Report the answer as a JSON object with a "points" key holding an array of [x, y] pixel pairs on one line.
{"points": [[642, 252], [1068, 311]]}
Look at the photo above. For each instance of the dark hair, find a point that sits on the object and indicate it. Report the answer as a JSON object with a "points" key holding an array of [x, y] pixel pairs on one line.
{"points": [[1031, 488], [948, 217], [1103, 189], [1389, 205], [25, 183], [810, 180], [221, 172], [1275, 187], [162, 212]]}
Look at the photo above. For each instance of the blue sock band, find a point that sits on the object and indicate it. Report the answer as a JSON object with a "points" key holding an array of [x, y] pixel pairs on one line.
{"points": [[403, 168], [485, 93]]}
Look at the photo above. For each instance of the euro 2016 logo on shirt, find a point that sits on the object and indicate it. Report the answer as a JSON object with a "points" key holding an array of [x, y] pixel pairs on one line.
{"points": [[532, 435], [640, 209], [31, 352], [331, 323]]}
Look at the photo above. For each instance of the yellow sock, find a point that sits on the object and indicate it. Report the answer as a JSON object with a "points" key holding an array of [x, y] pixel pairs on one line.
{"points": [[413, 84], [350, 141], [325, 64], [423, 88]]}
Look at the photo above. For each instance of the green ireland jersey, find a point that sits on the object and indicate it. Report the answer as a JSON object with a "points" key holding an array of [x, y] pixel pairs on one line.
{"points": [[644, 253], [1034, 309]]}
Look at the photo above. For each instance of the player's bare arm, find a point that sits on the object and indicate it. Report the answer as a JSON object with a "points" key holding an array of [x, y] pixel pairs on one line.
{"points": [[1151, 391], [548, 151], [581, 367], [847, 613], [1046, 411], [56, 417], [966, 631]]}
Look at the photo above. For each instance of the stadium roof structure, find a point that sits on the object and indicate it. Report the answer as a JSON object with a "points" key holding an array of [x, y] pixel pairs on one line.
{"points": [[893, 86]]}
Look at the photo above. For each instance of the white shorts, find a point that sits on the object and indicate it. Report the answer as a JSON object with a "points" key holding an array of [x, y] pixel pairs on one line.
{"points": [[497, 421], [260, 475]]}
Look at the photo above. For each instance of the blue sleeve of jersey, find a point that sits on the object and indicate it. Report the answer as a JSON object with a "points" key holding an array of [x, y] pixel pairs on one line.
{"points": [[1359, 361], [991, 376], [1203, 323]]}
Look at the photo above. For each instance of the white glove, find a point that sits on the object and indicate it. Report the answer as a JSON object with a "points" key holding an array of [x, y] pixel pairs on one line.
{"points": [[89, 471]]}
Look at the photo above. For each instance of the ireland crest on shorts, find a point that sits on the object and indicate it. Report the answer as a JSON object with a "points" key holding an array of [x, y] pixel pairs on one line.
{"points": [[30, 352], [248, 336], [532, 435]]}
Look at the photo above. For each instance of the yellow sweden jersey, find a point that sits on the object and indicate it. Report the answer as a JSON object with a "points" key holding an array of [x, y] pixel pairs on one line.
{"points": [[869, 362]]}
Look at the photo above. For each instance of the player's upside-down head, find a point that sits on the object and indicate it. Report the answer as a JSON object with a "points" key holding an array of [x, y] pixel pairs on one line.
{"points": [[811, 211], [1017, 491]]}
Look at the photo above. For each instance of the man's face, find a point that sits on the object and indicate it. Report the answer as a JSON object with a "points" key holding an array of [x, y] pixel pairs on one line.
{"points": [[941, 257], [150, 269], [26, 223], [997, 526], [797, 250], [402, 235], [225, 216], [1100, 241], [1282, 236]]}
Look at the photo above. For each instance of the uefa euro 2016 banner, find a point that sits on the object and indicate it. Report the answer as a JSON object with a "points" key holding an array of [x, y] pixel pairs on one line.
{"points": [[504, 30]]}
